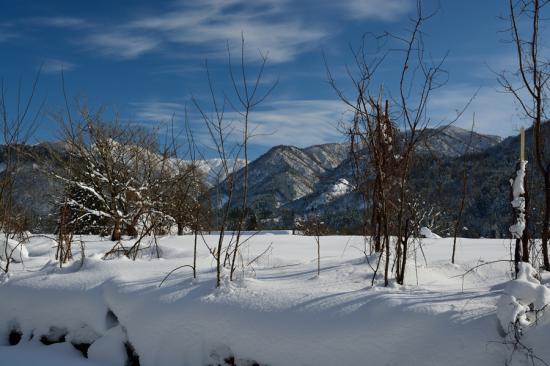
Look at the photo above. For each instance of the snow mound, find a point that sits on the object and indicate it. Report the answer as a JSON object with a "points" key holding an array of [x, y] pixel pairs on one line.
{"points": [[523, 301], [109, 349], [522, 315], [427, 233], [16, 250]]}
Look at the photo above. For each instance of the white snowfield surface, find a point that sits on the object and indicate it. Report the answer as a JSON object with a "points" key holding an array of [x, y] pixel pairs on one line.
{"points": [[278, 311]]}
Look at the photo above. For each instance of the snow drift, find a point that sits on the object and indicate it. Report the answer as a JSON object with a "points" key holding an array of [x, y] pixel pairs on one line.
{"points": [[523, 316], [15, 250], [276, 313]]}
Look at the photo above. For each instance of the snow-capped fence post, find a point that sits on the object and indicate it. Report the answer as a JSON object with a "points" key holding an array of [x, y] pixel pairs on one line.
{"points": [[519, 205]]}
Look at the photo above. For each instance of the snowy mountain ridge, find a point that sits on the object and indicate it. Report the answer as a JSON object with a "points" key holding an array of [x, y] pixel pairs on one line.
{"points": [[318, 177], [213, 169]]}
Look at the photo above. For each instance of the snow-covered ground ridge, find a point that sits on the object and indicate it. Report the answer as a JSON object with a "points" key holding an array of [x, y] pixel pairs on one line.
{"points": [[278, 311]]}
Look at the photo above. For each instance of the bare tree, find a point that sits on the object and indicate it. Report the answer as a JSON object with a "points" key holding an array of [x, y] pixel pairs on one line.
{"points": [[18, 126], [64, 235], [529, 84], [218, 129], [384, 155], [458, 221], [313, 225], [183, 198], [248, 94]]}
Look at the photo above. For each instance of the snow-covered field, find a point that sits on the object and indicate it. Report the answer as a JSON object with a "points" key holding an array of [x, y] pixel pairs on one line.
{"points": [[278, 312]]}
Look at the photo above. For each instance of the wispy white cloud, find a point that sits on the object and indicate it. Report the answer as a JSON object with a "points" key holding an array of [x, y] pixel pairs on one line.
{"points": [[266, 25], [298, 122], [59, 22], [7, 35], [51, 66], [275, 26], [387, 10], [122, 45], [306, 122], [8, 32], [289, 122], [157, 111], [495, 111]]}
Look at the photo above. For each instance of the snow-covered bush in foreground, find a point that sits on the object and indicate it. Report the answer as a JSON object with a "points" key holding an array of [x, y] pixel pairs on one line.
{"points": [[521, 312]]}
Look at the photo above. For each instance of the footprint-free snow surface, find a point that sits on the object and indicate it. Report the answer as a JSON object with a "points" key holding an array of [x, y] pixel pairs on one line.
{"points": [[276, 312]]}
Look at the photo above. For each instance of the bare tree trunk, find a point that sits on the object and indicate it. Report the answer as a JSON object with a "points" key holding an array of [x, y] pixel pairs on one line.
{"points": [[378, 235], [546, 223], [387, 249], [248, 100], [64, 237], [404, 263], [131, 230], [458, 222], [401, 271], [532, 77], [526, 233], [117, 233], [318, 239], [196, 234]]}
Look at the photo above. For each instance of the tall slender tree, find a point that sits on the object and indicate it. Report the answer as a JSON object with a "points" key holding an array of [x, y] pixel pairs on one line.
{"points": [[529, 84]]}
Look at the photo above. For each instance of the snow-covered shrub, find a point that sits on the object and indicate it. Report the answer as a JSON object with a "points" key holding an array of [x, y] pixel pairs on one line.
{"points": [[524, 300], [522, 312], [119, 181]]}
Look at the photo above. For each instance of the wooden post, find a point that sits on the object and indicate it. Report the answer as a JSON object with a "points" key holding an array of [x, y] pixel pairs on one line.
{"points": [[522, 144]]}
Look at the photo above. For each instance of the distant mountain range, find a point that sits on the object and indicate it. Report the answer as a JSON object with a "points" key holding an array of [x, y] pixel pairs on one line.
{"points": [[288, 181]]}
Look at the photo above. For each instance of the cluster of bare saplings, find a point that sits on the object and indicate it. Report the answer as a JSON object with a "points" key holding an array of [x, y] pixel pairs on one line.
{"points": [[17, 128], [529, 84], [124, 181], [382, 153], [388, 129]]}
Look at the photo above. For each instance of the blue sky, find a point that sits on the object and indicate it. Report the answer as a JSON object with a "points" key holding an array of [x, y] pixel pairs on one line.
{"points": [[145, 59]]}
